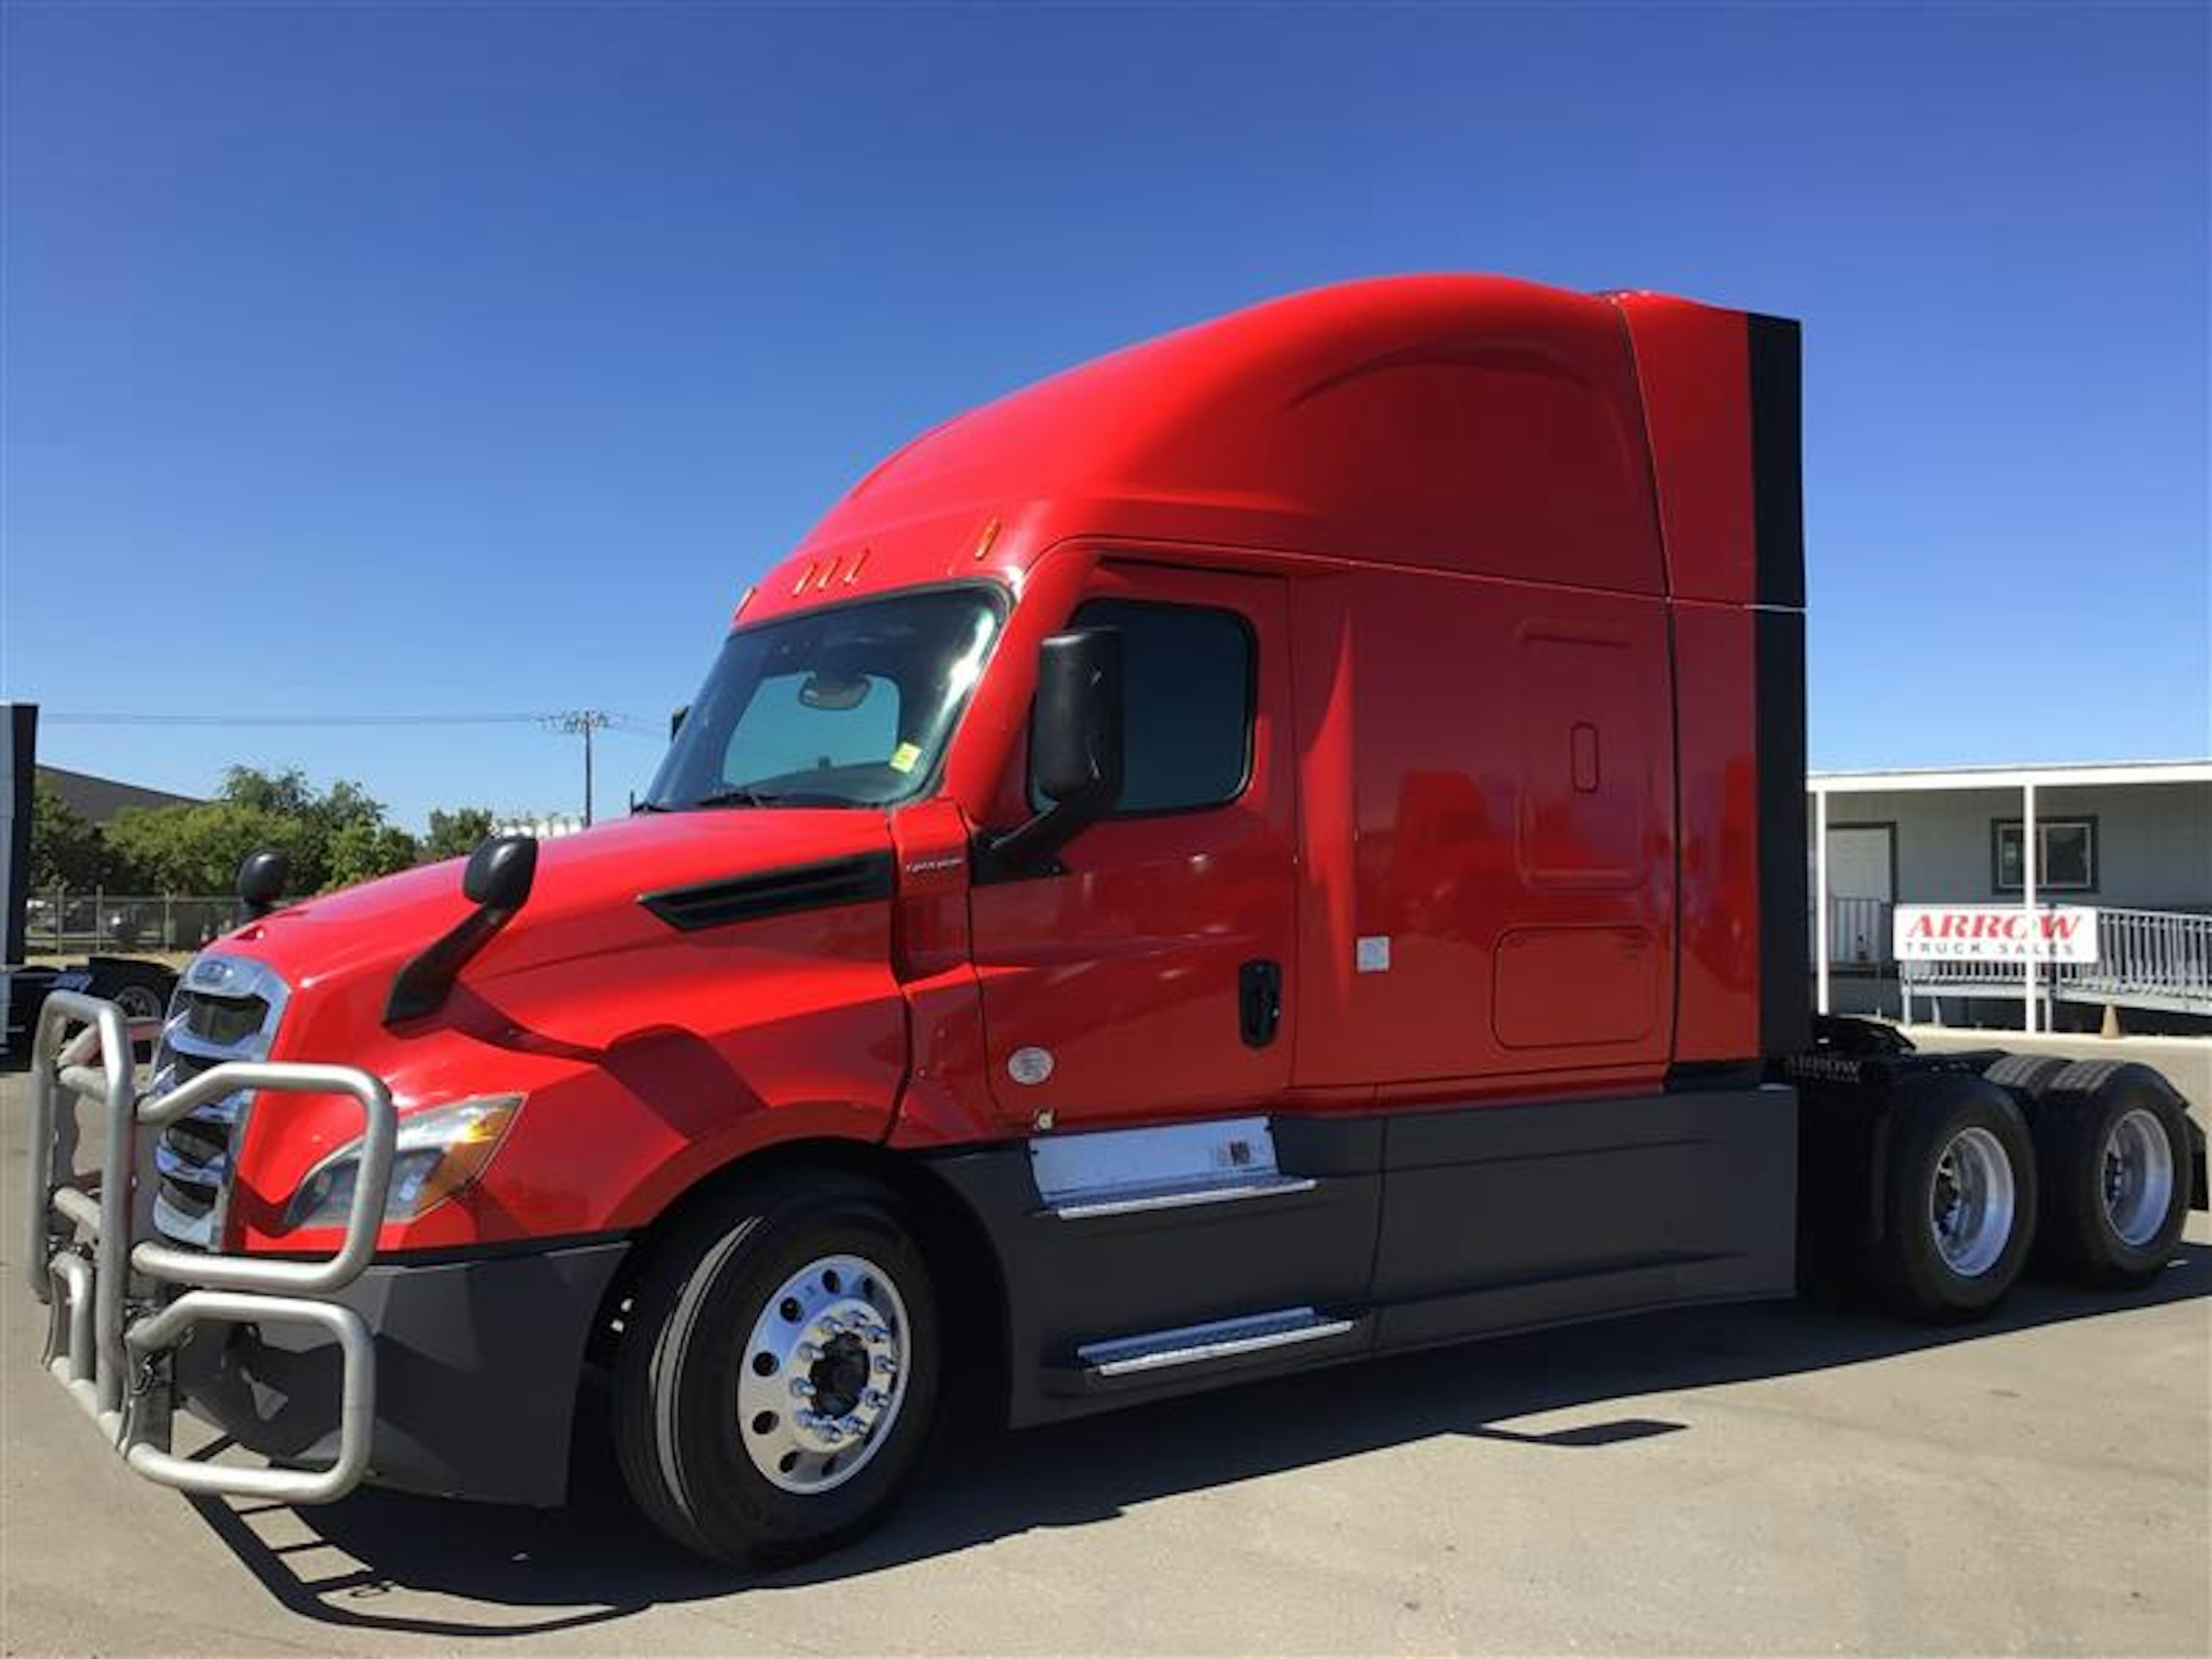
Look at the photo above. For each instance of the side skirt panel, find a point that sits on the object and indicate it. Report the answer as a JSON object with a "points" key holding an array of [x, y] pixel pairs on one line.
{"points": [[1500, 1218], [1402, 1230]]}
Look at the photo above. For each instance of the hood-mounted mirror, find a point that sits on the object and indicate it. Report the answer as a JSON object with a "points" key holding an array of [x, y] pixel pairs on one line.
{"points": [[261, 878], [497, 881]]}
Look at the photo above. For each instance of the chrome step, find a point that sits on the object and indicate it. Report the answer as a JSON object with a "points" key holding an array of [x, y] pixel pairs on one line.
{"points": [[1223, 1339], [1136, 1200], [1169, 1166]]}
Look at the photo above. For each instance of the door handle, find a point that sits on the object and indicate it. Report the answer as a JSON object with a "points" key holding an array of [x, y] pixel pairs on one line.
{"points": [[1259, 1002]]}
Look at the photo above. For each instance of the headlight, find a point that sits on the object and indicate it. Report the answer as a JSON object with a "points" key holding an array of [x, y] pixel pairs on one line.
{"points": [[439, 1152]]}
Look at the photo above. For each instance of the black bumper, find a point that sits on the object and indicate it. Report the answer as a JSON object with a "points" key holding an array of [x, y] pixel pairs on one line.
{"points": [[477, 1362]]}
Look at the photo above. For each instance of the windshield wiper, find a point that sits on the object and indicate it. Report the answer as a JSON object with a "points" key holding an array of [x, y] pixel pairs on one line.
{"points": [[736, 795]]}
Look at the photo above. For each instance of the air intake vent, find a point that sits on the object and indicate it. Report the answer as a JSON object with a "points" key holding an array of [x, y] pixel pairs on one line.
{"points": [[774, 893]]}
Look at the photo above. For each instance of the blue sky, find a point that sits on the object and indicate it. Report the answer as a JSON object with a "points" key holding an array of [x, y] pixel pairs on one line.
{"points": [[372, 359]]}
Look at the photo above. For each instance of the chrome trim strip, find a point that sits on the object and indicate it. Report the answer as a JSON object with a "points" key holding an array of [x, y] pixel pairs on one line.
{"points": [[1180, 1198], [183, 1042], [197, 1231], [1223, 1339], [236, 978], [228, 1109], [170, 1162]]}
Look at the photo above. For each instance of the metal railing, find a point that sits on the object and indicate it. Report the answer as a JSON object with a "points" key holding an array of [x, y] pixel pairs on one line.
{"points": [[61, 921], [120, 1302], [2147, 959], [1858, 933], [2154, 959]]}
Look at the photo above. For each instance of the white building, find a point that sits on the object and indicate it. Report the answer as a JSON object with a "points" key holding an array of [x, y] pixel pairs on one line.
{"points": [[2133, 841]]}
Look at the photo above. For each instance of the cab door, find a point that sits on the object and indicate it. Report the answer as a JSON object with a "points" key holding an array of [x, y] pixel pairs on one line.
{"points": [[1149, 975]]}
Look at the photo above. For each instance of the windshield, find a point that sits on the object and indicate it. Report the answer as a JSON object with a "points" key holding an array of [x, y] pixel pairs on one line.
{"points": [[849, 705]]}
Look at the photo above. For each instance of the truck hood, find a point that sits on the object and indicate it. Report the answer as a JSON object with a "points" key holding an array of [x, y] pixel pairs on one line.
{"points": [[585, 898]]}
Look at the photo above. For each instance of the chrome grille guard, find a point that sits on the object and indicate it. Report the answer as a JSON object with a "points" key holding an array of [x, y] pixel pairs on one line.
{"points": [[118, 1302]]}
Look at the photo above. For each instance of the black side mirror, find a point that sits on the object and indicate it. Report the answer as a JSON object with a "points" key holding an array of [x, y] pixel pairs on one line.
{"points": [[1075, 743], [261, 878], [1075, 738], [500, 872]]}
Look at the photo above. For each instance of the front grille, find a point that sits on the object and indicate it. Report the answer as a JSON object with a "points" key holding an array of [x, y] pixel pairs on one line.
{"points": [[226, 1008]]}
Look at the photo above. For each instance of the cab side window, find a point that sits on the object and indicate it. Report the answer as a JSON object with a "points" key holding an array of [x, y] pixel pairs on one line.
{"points": [[1189, 680]]}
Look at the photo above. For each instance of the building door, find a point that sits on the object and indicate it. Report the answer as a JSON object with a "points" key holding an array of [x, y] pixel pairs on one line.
{"points": [[1862, 862], [1151, 977]]}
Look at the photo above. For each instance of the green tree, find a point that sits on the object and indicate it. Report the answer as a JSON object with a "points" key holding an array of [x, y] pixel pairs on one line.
{"points": [[197, 849], [363, 850], [287, 793], [66, 850], [454, 833], [332, 837]]}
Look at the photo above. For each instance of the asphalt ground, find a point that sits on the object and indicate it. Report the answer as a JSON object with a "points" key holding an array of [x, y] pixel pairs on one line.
{"points": [[1782, 1478]]}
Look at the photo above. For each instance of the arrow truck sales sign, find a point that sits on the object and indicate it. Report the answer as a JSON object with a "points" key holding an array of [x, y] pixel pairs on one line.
{"points": [[1995, 933]]}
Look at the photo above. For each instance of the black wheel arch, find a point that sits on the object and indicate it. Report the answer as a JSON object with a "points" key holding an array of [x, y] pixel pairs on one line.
{"points": [[972, 1276]]}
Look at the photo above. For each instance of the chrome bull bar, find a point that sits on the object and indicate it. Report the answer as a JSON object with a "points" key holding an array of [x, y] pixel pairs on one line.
{"points": [[119, 1303]]}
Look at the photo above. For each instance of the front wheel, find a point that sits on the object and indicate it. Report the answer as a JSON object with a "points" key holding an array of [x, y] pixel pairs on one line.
{"points": [[779, 1372]]}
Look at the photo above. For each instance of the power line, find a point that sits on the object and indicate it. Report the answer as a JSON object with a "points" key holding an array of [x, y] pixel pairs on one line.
{"points": [[575, 722], [59, 718], [626, 725]]}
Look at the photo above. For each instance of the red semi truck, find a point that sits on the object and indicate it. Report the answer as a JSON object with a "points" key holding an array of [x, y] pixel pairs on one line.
{"points": [[1282, 844]]}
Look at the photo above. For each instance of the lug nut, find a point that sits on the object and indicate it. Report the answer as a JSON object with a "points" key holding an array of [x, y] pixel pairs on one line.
{"points": [[801, 1389], [885, 1365]]}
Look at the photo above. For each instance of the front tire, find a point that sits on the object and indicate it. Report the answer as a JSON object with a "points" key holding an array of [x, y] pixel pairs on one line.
{"points": [[779, 1370]]}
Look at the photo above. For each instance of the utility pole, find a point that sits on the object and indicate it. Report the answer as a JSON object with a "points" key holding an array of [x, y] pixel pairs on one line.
{"points": [[582, 722]]}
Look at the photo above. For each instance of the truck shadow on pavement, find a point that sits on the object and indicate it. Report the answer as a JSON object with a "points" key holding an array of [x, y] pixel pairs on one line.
{"points": [[384, 1561]]}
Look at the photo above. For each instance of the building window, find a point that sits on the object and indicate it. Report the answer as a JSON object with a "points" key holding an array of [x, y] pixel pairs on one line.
{"points": [[2067, 862], [1187, 675]]}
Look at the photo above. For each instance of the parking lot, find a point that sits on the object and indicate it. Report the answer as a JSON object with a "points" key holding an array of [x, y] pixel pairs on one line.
{"points": [[1790, 1478]]}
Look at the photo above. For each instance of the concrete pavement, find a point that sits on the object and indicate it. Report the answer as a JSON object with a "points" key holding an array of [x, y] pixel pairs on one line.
{"points": [[1785, 1479]]}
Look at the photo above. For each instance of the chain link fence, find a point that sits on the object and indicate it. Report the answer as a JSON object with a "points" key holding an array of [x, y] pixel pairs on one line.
{"points": [[65, 920]]}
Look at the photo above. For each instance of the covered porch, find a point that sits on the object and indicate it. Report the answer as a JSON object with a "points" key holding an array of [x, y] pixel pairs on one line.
{"points": [[2130, 842]]}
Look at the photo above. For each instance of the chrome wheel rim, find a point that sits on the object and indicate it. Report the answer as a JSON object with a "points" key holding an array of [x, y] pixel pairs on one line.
{"points": [[1971, 1198], [823, 1374], [138, 1002], [2138, 1178]]}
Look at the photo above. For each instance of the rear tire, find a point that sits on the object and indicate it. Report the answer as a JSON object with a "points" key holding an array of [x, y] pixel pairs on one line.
{"points": [[778, 1377], [2113, 1140], [1958, 1201]]}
